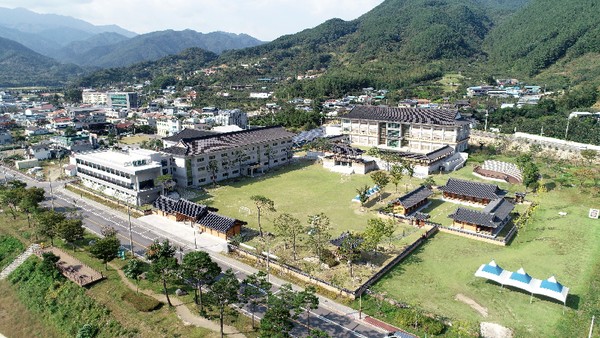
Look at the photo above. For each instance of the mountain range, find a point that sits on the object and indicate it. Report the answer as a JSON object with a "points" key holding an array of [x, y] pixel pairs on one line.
{"points": [[70, 40]]}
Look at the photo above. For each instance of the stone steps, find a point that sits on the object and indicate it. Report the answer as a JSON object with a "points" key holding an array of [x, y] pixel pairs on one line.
{"points": [[18, 261]]}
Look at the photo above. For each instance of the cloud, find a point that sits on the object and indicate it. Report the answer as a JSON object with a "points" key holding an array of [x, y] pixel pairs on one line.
{"points": [[263, 19]]}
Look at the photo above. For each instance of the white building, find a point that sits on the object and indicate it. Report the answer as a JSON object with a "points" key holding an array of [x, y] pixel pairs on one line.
{"points": [[127, 176], [232, 117], [168, 127], [94, 98], [39, 152], [259, 95]]}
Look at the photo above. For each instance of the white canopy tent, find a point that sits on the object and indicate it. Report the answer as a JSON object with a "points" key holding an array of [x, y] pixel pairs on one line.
{"points": [[520, 279]]}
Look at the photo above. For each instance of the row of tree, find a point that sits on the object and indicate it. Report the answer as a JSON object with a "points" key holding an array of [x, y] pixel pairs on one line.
{"points": [[223, 289]]}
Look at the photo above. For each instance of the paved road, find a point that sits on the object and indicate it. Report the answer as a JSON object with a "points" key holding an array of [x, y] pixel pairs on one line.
{"points": [[333, 318]]}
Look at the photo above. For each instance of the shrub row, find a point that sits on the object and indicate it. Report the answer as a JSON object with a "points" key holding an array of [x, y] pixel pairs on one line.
{"points": [[140, 302]]}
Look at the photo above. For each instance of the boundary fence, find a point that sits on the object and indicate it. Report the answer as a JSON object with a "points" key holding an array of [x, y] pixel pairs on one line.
{"points": [[328, 286]]}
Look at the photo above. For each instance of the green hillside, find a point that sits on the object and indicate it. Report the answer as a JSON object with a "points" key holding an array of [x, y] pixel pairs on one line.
{"points": [[20, 66], [543, 32]]}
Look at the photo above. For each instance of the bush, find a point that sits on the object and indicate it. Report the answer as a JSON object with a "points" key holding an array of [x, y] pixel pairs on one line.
{"points": [[140, 302], [406, 317], [10, 247], [87, 331], [328, 258]]}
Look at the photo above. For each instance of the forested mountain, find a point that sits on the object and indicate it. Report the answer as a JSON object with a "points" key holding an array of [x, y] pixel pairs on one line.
{"points": [[187, 61], [155, 45], [544, 31], [30, 40], [72, 52], [20, 66]]}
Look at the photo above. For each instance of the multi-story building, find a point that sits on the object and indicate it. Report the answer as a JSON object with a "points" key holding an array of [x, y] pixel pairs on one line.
{"points": [[5, 136], [168, 126], [128, 176], [246, 152], [232, 117], [406, 129], [111, 99], [94, 98], [74, 143]]}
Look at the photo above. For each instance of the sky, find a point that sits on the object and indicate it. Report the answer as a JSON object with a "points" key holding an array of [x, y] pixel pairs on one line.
{"points": [[263, 19]]}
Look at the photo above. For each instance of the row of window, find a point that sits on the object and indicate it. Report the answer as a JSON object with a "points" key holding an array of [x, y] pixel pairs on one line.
{"points": [[233, 153], [105, 178], [103, 168]]}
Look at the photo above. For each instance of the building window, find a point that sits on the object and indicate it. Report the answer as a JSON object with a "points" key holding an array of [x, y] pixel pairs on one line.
{"points": [[224, 155], [225, 174], [201, 168], [202, 180], [212, 157], [235, 171], [200, 159]]}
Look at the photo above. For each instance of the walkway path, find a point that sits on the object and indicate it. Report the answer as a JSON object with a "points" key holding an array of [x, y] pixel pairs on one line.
{"points": [[19, 260], [183, 312]]}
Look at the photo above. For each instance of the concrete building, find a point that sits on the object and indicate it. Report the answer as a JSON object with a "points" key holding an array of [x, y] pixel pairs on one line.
{"points": [[111, 99], [232, 117], [94, 98], [168, 127], [5, 136], [127, 176], [74, 143], [39, 152], [246, 152]]}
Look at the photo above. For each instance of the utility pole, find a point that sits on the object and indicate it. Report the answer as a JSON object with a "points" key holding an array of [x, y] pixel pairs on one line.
{"points": [[591, 327], [268, 256], [566, 131], [130, 235], [486, 117]]}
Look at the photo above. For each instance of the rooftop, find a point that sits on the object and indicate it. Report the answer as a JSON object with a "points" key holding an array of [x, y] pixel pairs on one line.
{"points": [[492, 216], [414, 197], [446, 117], [470, 188], [130, 162], [218, 142], [202, 214]]}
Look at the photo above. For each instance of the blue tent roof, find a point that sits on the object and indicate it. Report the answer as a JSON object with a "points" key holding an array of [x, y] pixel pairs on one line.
{"points": [[493, 269], [523, 278], [552, 285]]}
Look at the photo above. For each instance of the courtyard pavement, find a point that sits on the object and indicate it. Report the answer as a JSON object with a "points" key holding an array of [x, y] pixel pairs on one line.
{"points": [[185, 232]]}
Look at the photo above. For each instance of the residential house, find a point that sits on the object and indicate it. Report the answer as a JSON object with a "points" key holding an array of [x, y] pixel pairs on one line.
{"points": [[39, 152], [32, 131]]}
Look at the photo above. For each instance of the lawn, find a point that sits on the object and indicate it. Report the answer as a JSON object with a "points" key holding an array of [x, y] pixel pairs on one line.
{"points": [[133, 139], [443, 267]]}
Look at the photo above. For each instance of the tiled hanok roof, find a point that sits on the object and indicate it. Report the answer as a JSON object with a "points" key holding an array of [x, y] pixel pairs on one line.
{"points": [[474, 189], [202, 214], [414, 197], [224, 141], [340, 240], [444, 117], [421, 216], [492, 216]]}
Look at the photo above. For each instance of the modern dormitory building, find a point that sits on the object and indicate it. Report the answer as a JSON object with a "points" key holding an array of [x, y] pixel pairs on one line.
{"points": [[246, 152], [127, 176], [431, 138]]}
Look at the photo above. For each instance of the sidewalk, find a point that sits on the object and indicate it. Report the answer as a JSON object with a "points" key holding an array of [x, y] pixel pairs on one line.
{"points": [[175, 238]]}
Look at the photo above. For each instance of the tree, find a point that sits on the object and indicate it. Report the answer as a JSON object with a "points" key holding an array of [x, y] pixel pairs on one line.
{"points": [[239, 157], [133, 270], [157, 250], [523, 159], [381, 180], [49, 223], [201, 270], [531, 175], [213, 168], [590, 155], [388, 230], [49, 264], [318, 334], [396, 175], [164, 269], [70, 230], [373, 234], [350, 250], [429, 181], [410, 171], [31, 200], [318, 235], [288, 227], [106, 248], [162, 180], [305, 301], [70, 131], [262, 203], [225, 293], [363, 195], [276, 322], [535, 149], [256, 289]]}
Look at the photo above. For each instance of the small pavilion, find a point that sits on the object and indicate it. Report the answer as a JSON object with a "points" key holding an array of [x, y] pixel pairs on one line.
{"points": [[471, 192], [412, 201]]}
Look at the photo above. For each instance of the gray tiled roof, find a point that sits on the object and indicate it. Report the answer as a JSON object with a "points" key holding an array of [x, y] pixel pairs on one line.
{"points": [[414, 197], [444, 117], [201, 213], [439, 153], [474, 189], [492, 216], [189, 134], [224, 141], [421, 216], [429, 157]]}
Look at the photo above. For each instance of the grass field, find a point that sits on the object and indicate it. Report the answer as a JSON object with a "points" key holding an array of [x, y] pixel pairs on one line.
{"points": [[133, 139], [443, 267]]}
